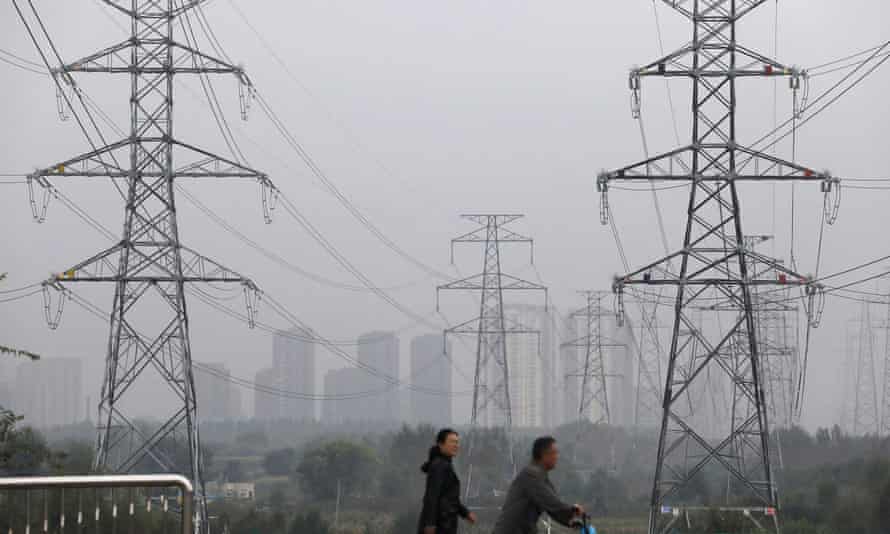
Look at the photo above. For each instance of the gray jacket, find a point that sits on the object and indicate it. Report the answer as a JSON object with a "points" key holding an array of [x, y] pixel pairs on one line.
{"points": [[530, 495]]}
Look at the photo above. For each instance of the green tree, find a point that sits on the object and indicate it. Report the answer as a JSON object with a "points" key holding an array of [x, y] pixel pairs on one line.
{"points": [[24, 452], [322, 466], [402, 457], [309, 523], [882, 509], [234, 472], [7, 418], [76, 458], [826, 494], [281, 462]]}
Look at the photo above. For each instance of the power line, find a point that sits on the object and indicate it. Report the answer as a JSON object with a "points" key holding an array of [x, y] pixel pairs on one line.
{"points": [[228, 227], [317, 171]]}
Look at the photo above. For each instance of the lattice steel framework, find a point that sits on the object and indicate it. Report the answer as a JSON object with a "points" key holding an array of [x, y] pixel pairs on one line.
{"points": [[650, 354], [594, 394], [491, 394], [885, 401], [714, 268], [862, 403], [777, 321], [490, 327], [149, 266]]}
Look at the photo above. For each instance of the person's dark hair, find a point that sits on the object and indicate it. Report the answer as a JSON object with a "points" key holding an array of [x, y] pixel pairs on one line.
{"points": [[441, 437], [542, 445]]}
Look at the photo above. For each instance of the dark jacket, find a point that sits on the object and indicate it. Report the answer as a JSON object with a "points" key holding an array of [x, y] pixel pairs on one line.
{"points": [[441, 501], [530, 495]]}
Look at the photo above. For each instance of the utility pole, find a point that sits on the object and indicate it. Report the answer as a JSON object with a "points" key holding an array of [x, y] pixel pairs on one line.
{"points": [[149, 266], [491, 385], [714, 265]]}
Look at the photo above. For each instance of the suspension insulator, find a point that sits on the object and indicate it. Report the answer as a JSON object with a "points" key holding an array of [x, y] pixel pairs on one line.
{"points": [[39, 201], [52, 308], [831, 188], [602, 185], [252, 299], [62, 101], [633, 83], [246, 96], [619, 308], [815, 304], [269, 197], [604, 207]]}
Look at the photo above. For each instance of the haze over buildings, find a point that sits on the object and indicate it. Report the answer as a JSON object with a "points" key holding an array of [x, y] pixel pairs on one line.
{"points": [[527, 135], [218, 399], [431, 370], [380, 350], [339, 384], [49, 391], [293, 358]]}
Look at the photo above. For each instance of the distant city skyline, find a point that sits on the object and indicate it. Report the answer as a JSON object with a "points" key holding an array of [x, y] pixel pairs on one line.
{"points": [[431, 371], [293, 358], [48, 392], [218, 398]]}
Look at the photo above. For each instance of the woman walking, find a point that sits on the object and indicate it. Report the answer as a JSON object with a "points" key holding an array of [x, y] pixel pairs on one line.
{"points": [[441, 501]]}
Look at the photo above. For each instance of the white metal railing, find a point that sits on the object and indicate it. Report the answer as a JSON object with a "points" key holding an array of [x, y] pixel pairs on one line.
{"points": [[56, 522]]}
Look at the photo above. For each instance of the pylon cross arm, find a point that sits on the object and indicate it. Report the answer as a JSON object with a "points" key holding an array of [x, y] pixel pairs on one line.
{"points": [[112, 161], [175, 12], [713, 10], [478, 326], [715, 63], [146, 265], [751, 165], [477, 282], [186, 60]]}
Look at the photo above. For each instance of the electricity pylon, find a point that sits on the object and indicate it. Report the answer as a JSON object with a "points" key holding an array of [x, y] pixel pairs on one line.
{"points": [[775, 317], [714, 263], [862, 402], [885, 401], [149, 266], [594, 395], [491, 387], [649, 350]]}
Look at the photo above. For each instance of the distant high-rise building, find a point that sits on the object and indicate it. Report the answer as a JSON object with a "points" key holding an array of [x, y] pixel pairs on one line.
{"points": [[49, 392], [343, 382], [380, 350], [293, 357], [431, 370], [267, 405], [530, 360], [218, 399]]}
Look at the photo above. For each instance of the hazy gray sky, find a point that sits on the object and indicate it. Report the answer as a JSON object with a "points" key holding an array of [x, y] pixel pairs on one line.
{"points": [[421, 111]]}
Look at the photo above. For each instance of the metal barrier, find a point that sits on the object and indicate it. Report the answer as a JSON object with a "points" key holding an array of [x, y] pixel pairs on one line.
{"points": [[99, 483]]}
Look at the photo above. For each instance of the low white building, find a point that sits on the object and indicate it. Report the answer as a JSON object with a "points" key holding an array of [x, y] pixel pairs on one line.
{"points": [[239, 491]]}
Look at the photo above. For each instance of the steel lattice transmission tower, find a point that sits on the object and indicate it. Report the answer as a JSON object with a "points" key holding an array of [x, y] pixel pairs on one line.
{"points": [[776, 321], [863, 401], [149, 266], [885, 401], [714, 265], [491, 388], [594, 394], [650, 352]]}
